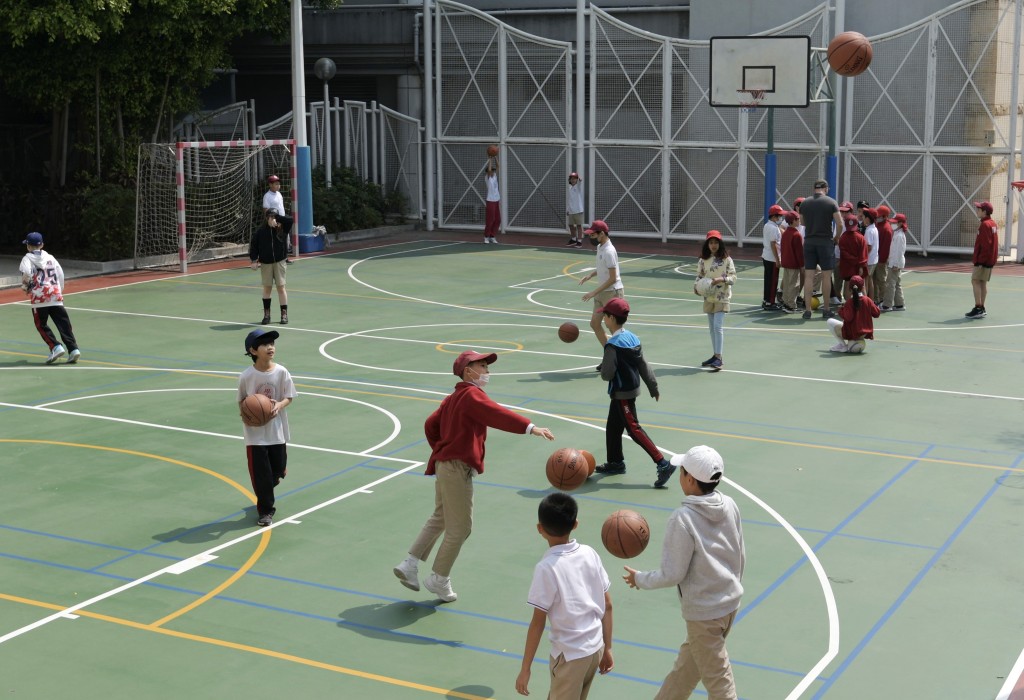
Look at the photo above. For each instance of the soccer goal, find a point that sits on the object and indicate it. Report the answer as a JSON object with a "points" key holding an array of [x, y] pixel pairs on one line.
{"points": [[202, 199]]}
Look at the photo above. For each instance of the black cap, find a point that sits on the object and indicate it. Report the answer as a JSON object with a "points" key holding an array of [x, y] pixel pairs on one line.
{"points": [[258, 337]]}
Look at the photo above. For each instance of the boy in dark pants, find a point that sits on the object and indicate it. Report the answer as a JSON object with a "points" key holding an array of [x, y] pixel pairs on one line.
{"points": [[42, 278], [266, 446], [623, 367]]}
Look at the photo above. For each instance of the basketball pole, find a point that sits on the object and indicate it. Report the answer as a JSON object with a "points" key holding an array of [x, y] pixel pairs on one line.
{"points": [[770, 174]]}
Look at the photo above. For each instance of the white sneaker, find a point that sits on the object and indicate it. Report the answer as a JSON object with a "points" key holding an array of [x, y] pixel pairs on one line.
{"points": [[441, 586], [838, 347], [408, 574], [836, 301], [486, 239], [55, 354], [73, 357], [493, 240]]}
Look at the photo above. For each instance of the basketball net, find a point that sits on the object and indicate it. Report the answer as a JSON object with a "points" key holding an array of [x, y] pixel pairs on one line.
{"points": [[752, 100]]}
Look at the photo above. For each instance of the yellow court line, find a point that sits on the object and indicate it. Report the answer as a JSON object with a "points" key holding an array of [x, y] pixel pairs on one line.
{"points": [[249, 649], [831, 448], [242, 570]]}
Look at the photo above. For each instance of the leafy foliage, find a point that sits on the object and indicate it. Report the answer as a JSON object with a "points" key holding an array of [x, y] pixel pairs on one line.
{"points": [[351, 203]]}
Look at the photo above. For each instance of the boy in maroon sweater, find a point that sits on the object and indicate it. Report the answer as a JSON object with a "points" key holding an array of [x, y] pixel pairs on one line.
{"points": [[853, 253], [456, 432], [792, 253], [986, 254]]}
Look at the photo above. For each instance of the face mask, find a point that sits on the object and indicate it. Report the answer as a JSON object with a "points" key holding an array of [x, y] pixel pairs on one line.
{"points": [[481, 380], [593, 241]]}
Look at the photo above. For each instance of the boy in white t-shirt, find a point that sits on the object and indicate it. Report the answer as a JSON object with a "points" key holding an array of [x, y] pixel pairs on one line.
{"points": [[570, 588], [266, 446], [771, 238], [492, 217]]}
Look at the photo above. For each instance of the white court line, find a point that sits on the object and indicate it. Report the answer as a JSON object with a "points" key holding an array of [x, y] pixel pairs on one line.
{"points": [[1011, 678]]}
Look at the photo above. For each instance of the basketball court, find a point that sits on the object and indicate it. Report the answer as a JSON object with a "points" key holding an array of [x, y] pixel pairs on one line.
{"points": [[881, 494]]}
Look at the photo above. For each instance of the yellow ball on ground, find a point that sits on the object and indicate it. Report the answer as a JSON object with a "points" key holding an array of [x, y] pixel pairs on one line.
{"points": [[815, 303]]}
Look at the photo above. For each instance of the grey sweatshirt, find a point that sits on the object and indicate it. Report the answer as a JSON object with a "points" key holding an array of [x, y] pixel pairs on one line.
{"points": [[702, 556]]}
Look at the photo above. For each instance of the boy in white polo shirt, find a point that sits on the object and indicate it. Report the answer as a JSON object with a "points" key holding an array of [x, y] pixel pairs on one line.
{"points": [[570, 588]]}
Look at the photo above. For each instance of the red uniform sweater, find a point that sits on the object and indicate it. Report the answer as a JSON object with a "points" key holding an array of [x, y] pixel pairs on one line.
{"points": [[986, 245], [792, 249], [857, 322], [458, 428], [853, 254]]}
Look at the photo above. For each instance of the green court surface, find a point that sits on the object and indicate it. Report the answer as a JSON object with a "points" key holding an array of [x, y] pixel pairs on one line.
{"points": [[881, 494]]}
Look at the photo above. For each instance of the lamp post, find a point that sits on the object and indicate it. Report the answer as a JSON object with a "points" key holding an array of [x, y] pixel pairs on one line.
{"points": [[325, 69]]}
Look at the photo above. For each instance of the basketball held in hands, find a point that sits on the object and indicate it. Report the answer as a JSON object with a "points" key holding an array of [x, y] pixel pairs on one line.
{"points": [[257, 410]]}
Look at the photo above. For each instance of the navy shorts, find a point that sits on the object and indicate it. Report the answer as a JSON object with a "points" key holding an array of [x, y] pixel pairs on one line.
{"points": [[819, 252]]}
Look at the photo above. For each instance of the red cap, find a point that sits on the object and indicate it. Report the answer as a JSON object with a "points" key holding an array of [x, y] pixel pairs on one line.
{"points": [[798, 201], [846, 206], [850, 220], [883, 211], [467, 356], [573, 174], [791, 217], [987, 206], [615, 306], [273, 178], [775, 210], [870, 213], [857, 281], [597, 227], [713, 234], [899, 218]]}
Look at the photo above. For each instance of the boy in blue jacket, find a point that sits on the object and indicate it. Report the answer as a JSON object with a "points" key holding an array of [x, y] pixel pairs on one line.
{"points": [[624, 367]]}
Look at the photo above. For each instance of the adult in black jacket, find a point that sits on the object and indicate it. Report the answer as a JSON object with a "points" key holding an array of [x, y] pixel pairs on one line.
{"points": [[268, 251]]}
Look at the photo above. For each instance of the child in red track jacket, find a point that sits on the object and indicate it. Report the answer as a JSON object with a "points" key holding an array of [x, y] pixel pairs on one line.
{"points": [[856, 325], [792, 253], [853, 253], [456, 432], [986, 254]]}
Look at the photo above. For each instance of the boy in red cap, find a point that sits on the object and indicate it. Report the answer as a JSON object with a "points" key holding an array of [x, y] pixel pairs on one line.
{"points": [[986, 254], [771, 237], [624, 367], [893, 298], [456, 432], [853, 254], [791, 253], [609, 278]]}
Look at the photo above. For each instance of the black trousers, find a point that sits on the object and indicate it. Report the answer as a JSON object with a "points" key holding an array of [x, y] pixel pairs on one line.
{"points": [[268, 464], [771, 281], [42, 315]]}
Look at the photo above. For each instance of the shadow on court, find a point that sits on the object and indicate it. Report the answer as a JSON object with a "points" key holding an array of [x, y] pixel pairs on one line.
{"points": [[480, 691], [209, 532], [385, 620]]}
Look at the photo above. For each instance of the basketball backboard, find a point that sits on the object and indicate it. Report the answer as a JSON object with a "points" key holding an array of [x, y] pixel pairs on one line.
{"points": [[762, 71]]}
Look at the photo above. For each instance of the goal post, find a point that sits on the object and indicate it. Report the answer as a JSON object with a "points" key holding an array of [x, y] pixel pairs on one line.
{"points": [[204, 198]]}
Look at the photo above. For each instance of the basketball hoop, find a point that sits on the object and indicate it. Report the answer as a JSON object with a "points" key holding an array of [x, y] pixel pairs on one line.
{"points": [[1018, 185], [750, 100]]}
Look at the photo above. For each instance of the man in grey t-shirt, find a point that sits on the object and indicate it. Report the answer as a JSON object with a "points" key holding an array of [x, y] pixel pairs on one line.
{"points": [[817, 214]]}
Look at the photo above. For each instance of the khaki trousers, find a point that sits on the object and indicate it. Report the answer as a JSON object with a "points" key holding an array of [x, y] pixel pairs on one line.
{"points": [[893, 288], [792, 281], [702, 658], [570, 680], [453, 515]]}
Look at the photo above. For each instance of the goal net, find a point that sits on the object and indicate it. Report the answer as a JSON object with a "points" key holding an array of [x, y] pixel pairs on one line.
{"points": [[203, 199]]}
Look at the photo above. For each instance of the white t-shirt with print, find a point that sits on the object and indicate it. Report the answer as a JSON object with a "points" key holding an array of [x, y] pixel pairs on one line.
{"points": [[276, 384]]}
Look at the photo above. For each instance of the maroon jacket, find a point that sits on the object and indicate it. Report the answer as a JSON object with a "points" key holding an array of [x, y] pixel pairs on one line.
{"points": [[853, 254], [857, 322], [986, 245], [458, 428], [884, 241], [792, 249]]}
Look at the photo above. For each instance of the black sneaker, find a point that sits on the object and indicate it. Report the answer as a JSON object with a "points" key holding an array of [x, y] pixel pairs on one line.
{"points": [[827, 314], [976, 312], [807, 315], [665, 471], [716, 364], [266, 318], [611, 468], [598, 368], [578, 244], [571, 243], [708, 361], [284, 318], [788, 309], [899, 308], [265, 520]]}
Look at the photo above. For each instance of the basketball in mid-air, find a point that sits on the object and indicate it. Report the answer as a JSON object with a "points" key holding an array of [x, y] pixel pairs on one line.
{"points": [[849, 54], [256, 410], [492, 151], [625, 534], [568, 332], [591, 462], [815, 303], [567, 469]]}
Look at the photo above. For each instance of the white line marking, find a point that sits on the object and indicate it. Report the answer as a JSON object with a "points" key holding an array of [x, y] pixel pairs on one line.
{"points": [[189, 564], [1011, 679]]}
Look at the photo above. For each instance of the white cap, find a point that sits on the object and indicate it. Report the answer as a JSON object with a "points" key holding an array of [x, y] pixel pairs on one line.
{"points": [[703, 463]]}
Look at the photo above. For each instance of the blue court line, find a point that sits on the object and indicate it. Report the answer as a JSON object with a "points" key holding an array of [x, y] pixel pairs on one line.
{"points": [[911, 586], [834, 532]]}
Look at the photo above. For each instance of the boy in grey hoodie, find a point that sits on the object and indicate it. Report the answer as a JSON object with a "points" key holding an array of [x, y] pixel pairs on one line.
{"points": [[703, 558]]}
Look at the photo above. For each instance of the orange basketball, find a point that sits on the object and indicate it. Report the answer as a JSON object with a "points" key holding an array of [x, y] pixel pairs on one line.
{"points": [[591, 462], [625, 534], [568, 332], [492, 151], [256, 410], [567, 469], [849, 53]]}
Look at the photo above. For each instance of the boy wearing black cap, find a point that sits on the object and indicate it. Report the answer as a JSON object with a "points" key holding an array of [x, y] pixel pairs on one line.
{"points": [[42, 278], [266, 446], [703, 558], [986, 254], [624, 367], [456, 433]]}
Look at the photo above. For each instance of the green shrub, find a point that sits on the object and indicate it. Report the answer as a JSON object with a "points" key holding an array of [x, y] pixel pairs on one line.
{"points": [[108, 222], [351, 203]]}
